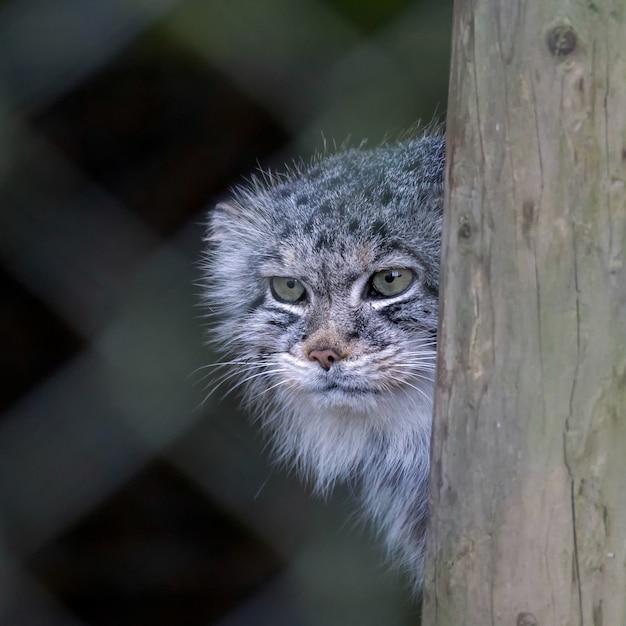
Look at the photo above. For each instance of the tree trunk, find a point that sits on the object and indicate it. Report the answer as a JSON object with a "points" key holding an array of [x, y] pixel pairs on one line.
{"points": [[528, 483]]}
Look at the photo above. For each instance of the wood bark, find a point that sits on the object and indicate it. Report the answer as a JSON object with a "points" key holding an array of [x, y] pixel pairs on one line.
{"points": [[528, 480]]}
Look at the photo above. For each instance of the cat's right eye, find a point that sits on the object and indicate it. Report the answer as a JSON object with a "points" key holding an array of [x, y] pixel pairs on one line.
{"points": [[287, 289]]}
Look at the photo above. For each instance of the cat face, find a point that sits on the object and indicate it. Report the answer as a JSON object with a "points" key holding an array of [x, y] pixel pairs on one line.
{"points": [[325, 286], [350, 331]]}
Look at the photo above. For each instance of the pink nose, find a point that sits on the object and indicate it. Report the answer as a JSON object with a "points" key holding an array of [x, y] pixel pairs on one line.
{"points": [[324, 357]]}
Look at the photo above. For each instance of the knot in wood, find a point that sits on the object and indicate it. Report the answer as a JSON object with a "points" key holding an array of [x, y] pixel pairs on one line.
{"points": [[526, 619], [465, 227], [561, 41]]}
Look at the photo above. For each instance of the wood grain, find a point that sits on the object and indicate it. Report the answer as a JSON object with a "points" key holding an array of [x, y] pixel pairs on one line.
{"points": [[528, 482]]}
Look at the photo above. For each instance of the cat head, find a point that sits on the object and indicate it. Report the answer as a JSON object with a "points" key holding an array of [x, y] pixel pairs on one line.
{"points": [[324, 284]]}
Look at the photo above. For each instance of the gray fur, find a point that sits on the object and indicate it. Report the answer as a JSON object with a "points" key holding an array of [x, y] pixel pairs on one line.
{"points": [[332, 225]]}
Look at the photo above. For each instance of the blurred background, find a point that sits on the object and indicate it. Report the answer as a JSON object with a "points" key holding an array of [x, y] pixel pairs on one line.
{"points": [[124, 498]]}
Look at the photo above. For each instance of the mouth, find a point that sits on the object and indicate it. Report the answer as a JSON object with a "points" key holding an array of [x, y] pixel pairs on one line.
{"points": [[349, 390]]}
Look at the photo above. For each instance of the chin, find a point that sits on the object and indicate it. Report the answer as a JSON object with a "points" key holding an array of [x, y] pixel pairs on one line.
{"points": [[347, 403]]}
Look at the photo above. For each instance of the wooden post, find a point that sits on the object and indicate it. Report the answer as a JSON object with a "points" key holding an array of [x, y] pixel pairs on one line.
{"points": [[528, 483]]}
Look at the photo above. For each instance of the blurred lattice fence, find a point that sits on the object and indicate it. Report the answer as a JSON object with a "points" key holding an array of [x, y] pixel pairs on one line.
{"points": [[123, 498]]}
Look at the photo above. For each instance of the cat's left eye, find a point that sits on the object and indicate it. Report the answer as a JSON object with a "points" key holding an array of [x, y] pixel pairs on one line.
{"points": [[287, 289], [392, 282]]}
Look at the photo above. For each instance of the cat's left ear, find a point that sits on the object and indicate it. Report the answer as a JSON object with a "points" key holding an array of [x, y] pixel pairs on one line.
{"points": [[221, 217], [226, 211]]}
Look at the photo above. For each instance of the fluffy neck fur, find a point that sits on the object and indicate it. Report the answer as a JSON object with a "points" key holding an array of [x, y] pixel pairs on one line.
{"points": [[382, 450]]}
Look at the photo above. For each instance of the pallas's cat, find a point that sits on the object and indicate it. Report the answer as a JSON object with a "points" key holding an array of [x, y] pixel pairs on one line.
{"points": [[324, 284]]}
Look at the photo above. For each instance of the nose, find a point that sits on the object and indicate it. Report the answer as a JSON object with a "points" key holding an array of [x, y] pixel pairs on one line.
{"points": [[325, 357]]}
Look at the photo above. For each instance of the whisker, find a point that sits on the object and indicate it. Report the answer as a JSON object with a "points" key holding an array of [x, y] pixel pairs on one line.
{"points": [[232, 374], [225, 376], [220, 363], [252, 377], [268, 389], [229, 372], [418, 365], [244, 366], [405, 391], [216, 364], [421, 391], [423, 349], [414, 364], [413, 374]]}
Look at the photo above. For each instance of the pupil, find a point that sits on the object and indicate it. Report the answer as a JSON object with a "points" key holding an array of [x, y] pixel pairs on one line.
{"points": [[291, 283], [390, 276]]}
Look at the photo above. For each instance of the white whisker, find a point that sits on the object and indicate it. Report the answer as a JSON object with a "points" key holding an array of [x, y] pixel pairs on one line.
{"points": [[252, 377], [226, 376], [268, 389], [413, 375], [420, 391], [243, 365]]}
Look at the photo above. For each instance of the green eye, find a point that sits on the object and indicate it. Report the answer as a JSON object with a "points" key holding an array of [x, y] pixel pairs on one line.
{"points": [[392, 282], [286, 289]]}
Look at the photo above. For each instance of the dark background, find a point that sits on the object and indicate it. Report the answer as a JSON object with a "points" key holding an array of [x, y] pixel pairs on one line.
{"points": [[124, 498]]}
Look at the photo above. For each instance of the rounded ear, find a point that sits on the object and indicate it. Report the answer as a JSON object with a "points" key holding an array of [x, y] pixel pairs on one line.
{"points": [[221, 217], [225, 211]]}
